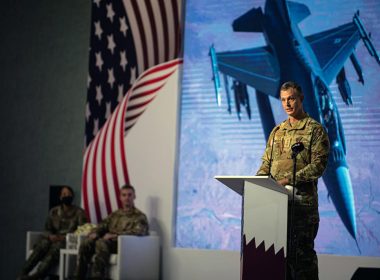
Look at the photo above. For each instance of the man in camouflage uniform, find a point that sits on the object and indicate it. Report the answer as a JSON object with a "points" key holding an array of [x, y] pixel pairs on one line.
{"points": [[62, 219], [311, 163], [102, 241]]}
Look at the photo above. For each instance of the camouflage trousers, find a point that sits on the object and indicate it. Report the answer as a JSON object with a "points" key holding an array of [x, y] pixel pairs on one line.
{"points": [[303, 261], [102, 249], [45, 252]]}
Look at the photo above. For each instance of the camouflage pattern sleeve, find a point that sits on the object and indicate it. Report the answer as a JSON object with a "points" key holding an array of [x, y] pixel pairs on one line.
{"points": [[103, 227], [264, 168], [82, 218], [139, 226], [49, 228], [319, 157]]}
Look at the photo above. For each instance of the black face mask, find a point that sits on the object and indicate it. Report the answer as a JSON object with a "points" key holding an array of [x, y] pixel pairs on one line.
{"points": [[67, 200]]}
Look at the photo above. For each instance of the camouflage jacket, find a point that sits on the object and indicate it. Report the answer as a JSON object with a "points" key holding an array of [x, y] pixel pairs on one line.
{"points": [[63, 222], [121, 222], [311, 162]]}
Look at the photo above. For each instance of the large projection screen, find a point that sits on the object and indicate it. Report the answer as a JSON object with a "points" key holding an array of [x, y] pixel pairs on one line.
{"points": [[213, 141]]}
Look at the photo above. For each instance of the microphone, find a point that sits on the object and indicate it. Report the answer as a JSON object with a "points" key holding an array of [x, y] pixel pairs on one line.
{"points": [[297, 148]]}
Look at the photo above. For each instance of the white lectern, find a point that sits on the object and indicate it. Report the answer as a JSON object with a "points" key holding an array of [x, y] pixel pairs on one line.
{"points": [[264, 226]]}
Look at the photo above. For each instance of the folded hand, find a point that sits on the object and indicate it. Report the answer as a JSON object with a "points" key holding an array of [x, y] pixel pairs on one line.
{"points": [[109, 236]]}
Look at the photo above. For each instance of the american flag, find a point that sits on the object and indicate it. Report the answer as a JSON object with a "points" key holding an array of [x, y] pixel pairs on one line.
{"points": [[134, 49]]}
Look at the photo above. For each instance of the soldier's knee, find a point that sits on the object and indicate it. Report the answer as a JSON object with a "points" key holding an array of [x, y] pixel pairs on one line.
{"points": [[101, 245], [308, 274], [55, 247], [52, 257], [87, 243], [42, 244], [86, 247], [305, 238]]}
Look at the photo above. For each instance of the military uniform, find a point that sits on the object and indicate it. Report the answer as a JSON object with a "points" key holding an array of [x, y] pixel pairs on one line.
{"points": [[311, 163], [59, 222], [120, 222]]}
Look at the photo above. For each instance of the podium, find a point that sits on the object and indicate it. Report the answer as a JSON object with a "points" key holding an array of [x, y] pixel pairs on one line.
{"points": [[264, 226]]}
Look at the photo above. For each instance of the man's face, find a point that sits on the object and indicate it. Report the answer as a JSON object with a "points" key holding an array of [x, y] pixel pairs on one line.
{"points": [[127, 197], [291, 102]]}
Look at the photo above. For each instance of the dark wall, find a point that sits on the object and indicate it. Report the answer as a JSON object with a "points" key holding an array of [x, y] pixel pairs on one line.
{"points": [[43, 76]]}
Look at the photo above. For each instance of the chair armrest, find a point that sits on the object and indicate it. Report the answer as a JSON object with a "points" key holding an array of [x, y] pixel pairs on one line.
{"points": [[73, 241], [138, 256], [32, 237]]}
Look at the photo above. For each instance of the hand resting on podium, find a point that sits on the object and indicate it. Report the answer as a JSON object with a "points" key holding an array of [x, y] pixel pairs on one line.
{"points": [[290, 188], [285, 182]]}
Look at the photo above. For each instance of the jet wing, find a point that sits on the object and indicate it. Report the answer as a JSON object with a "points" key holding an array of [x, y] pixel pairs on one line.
{"points": [[333, 47], [256, 67]]}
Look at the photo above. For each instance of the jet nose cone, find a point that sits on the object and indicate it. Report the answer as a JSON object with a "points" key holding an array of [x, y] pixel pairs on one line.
{"points": [[338, 183]]}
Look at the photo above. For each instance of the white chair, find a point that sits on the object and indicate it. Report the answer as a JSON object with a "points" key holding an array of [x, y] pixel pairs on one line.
{"points": [[32, 237], [138, 258]]}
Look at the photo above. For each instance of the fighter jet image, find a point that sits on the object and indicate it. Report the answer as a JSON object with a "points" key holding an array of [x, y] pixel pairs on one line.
{"points": [[313, 62]]}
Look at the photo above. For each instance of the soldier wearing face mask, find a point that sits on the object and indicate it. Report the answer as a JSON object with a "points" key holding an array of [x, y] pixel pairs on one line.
{"points": [[62, 219]]}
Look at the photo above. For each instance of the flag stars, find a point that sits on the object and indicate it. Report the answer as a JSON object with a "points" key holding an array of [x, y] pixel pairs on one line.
{"points": [[97, 2], [99, 94], [110, 12], [99, 61], [111, 77], [96, 127], [88, 112], [123, 26], [111, 43], [123, 59], [98, 30]]}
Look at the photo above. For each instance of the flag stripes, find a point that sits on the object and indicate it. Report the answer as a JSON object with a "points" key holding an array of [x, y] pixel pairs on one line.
{"points": [[105, 169]]}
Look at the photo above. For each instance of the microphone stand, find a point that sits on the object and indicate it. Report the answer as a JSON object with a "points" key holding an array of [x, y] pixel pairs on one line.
{"points": [[292, 234]]}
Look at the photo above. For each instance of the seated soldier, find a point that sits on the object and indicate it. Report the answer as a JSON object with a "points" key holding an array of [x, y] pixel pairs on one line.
{"points": [[62, 219], [102, 241]]}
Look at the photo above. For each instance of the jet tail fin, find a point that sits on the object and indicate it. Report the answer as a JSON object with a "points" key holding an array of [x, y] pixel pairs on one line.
{"points": [[297, 11], [251, 21]]}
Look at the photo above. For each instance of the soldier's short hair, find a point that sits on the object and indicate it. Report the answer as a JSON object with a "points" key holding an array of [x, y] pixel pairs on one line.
{"points": [[292, 85], [69, 188], [128, 187]]}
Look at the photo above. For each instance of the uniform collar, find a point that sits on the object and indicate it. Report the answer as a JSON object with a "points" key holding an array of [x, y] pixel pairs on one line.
{"points": [[61, 210], [130, 210], [297, 125]]}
